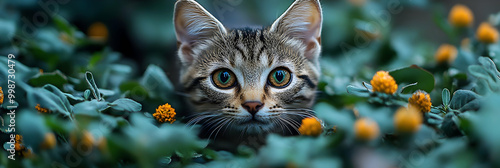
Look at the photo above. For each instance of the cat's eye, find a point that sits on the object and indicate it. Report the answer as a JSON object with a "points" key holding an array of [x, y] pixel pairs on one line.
{"points": [[224, 78], [279, 77]]}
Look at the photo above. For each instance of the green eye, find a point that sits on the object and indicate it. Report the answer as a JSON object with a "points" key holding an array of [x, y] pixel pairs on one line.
{"points": [[279, 77], [223, 78]]}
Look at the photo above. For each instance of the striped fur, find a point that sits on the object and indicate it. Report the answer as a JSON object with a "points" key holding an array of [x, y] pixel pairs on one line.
{"points": [[251, 54]]}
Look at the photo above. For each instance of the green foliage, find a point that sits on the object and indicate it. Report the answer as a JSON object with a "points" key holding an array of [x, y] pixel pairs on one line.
{"points": [[99, 103]]}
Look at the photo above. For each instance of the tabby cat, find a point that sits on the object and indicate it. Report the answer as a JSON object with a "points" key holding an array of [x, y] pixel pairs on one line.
{"points": [[249, 81]]}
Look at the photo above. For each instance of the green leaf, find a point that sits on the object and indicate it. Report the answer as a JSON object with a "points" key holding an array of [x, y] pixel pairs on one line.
{"points": [[125, 104], [74, 98], [445, 96], [90, 108], [156, 82], [63, 25], [32, 128], [47, 99], [55, 78], [414, 74], [358, 91], [7, 30], [61, 95], [93, 87], [450, 126], [465, 100], [487, 75], [134, 89]]}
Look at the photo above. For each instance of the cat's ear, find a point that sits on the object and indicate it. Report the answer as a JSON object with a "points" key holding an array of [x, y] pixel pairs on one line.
{"points": [[302, 21], [193, 25]]}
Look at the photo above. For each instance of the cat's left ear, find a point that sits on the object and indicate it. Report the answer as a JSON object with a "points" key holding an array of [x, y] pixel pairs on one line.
{"points": [[302, 21]]}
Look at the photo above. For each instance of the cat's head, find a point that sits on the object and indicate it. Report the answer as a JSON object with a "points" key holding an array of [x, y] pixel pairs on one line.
{"points": [[250, 80]]}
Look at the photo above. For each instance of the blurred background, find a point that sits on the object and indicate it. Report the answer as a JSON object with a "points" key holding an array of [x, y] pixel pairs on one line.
{"points": [[142, 30]]}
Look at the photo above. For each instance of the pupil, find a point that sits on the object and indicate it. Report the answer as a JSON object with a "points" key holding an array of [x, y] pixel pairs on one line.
{"points": [[224, 77], [279, 75]]}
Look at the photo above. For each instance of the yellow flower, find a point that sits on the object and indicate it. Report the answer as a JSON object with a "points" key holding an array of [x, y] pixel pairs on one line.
{"points": [[366, 129], [383, 82], [311, 127], [421, 101], [486, 33], [85, 139], [165, 113], [98, 32], [446, 53], [18, 146], [407, 120], [460, 16], [41, 109], [49, 141], [22, 150], [1, 96]]}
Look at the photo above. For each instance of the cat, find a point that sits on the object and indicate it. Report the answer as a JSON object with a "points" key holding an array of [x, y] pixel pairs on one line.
{"points": [[249, 81]]}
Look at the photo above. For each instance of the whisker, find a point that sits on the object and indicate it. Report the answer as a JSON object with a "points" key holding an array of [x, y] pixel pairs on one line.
{"points": [[219, 125]]}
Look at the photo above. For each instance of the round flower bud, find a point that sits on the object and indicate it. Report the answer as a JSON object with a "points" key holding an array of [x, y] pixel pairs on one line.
{"points": [[311, 127], [366, 129], [407, 120], [384, 83], [460, 16]]}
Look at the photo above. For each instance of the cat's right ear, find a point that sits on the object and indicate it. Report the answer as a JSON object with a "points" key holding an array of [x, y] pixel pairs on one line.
{"points": [[193, 25]]}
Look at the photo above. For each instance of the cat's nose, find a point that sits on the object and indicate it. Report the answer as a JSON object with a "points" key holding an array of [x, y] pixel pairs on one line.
{"points": [[252, 106]]}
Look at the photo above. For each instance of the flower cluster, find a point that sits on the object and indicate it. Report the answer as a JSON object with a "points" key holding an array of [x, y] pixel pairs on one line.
{"points": [[384, 83], [41, 109], [165, 113], [446, 53], [20, 148], [311, 127], [407, 120], [421, 101]]}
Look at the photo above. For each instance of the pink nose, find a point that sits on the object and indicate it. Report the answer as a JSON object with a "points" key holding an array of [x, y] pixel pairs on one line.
{"points": [[252, 106]]}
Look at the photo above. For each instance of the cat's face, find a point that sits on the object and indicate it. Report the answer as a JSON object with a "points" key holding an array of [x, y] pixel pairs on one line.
{"points": [[250, 80]]}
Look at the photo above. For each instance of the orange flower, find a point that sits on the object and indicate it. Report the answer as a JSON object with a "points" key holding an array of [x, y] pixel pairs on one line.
{"points": [[486, 33], [165, 113], [1, 96], [421, 101], [407, 120], [98, 32], [384, 83], [366, 129], [41, 109], [84, 138], [49, 141], [18, 146], [311, 127], [460, 16], [446, 53]]}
